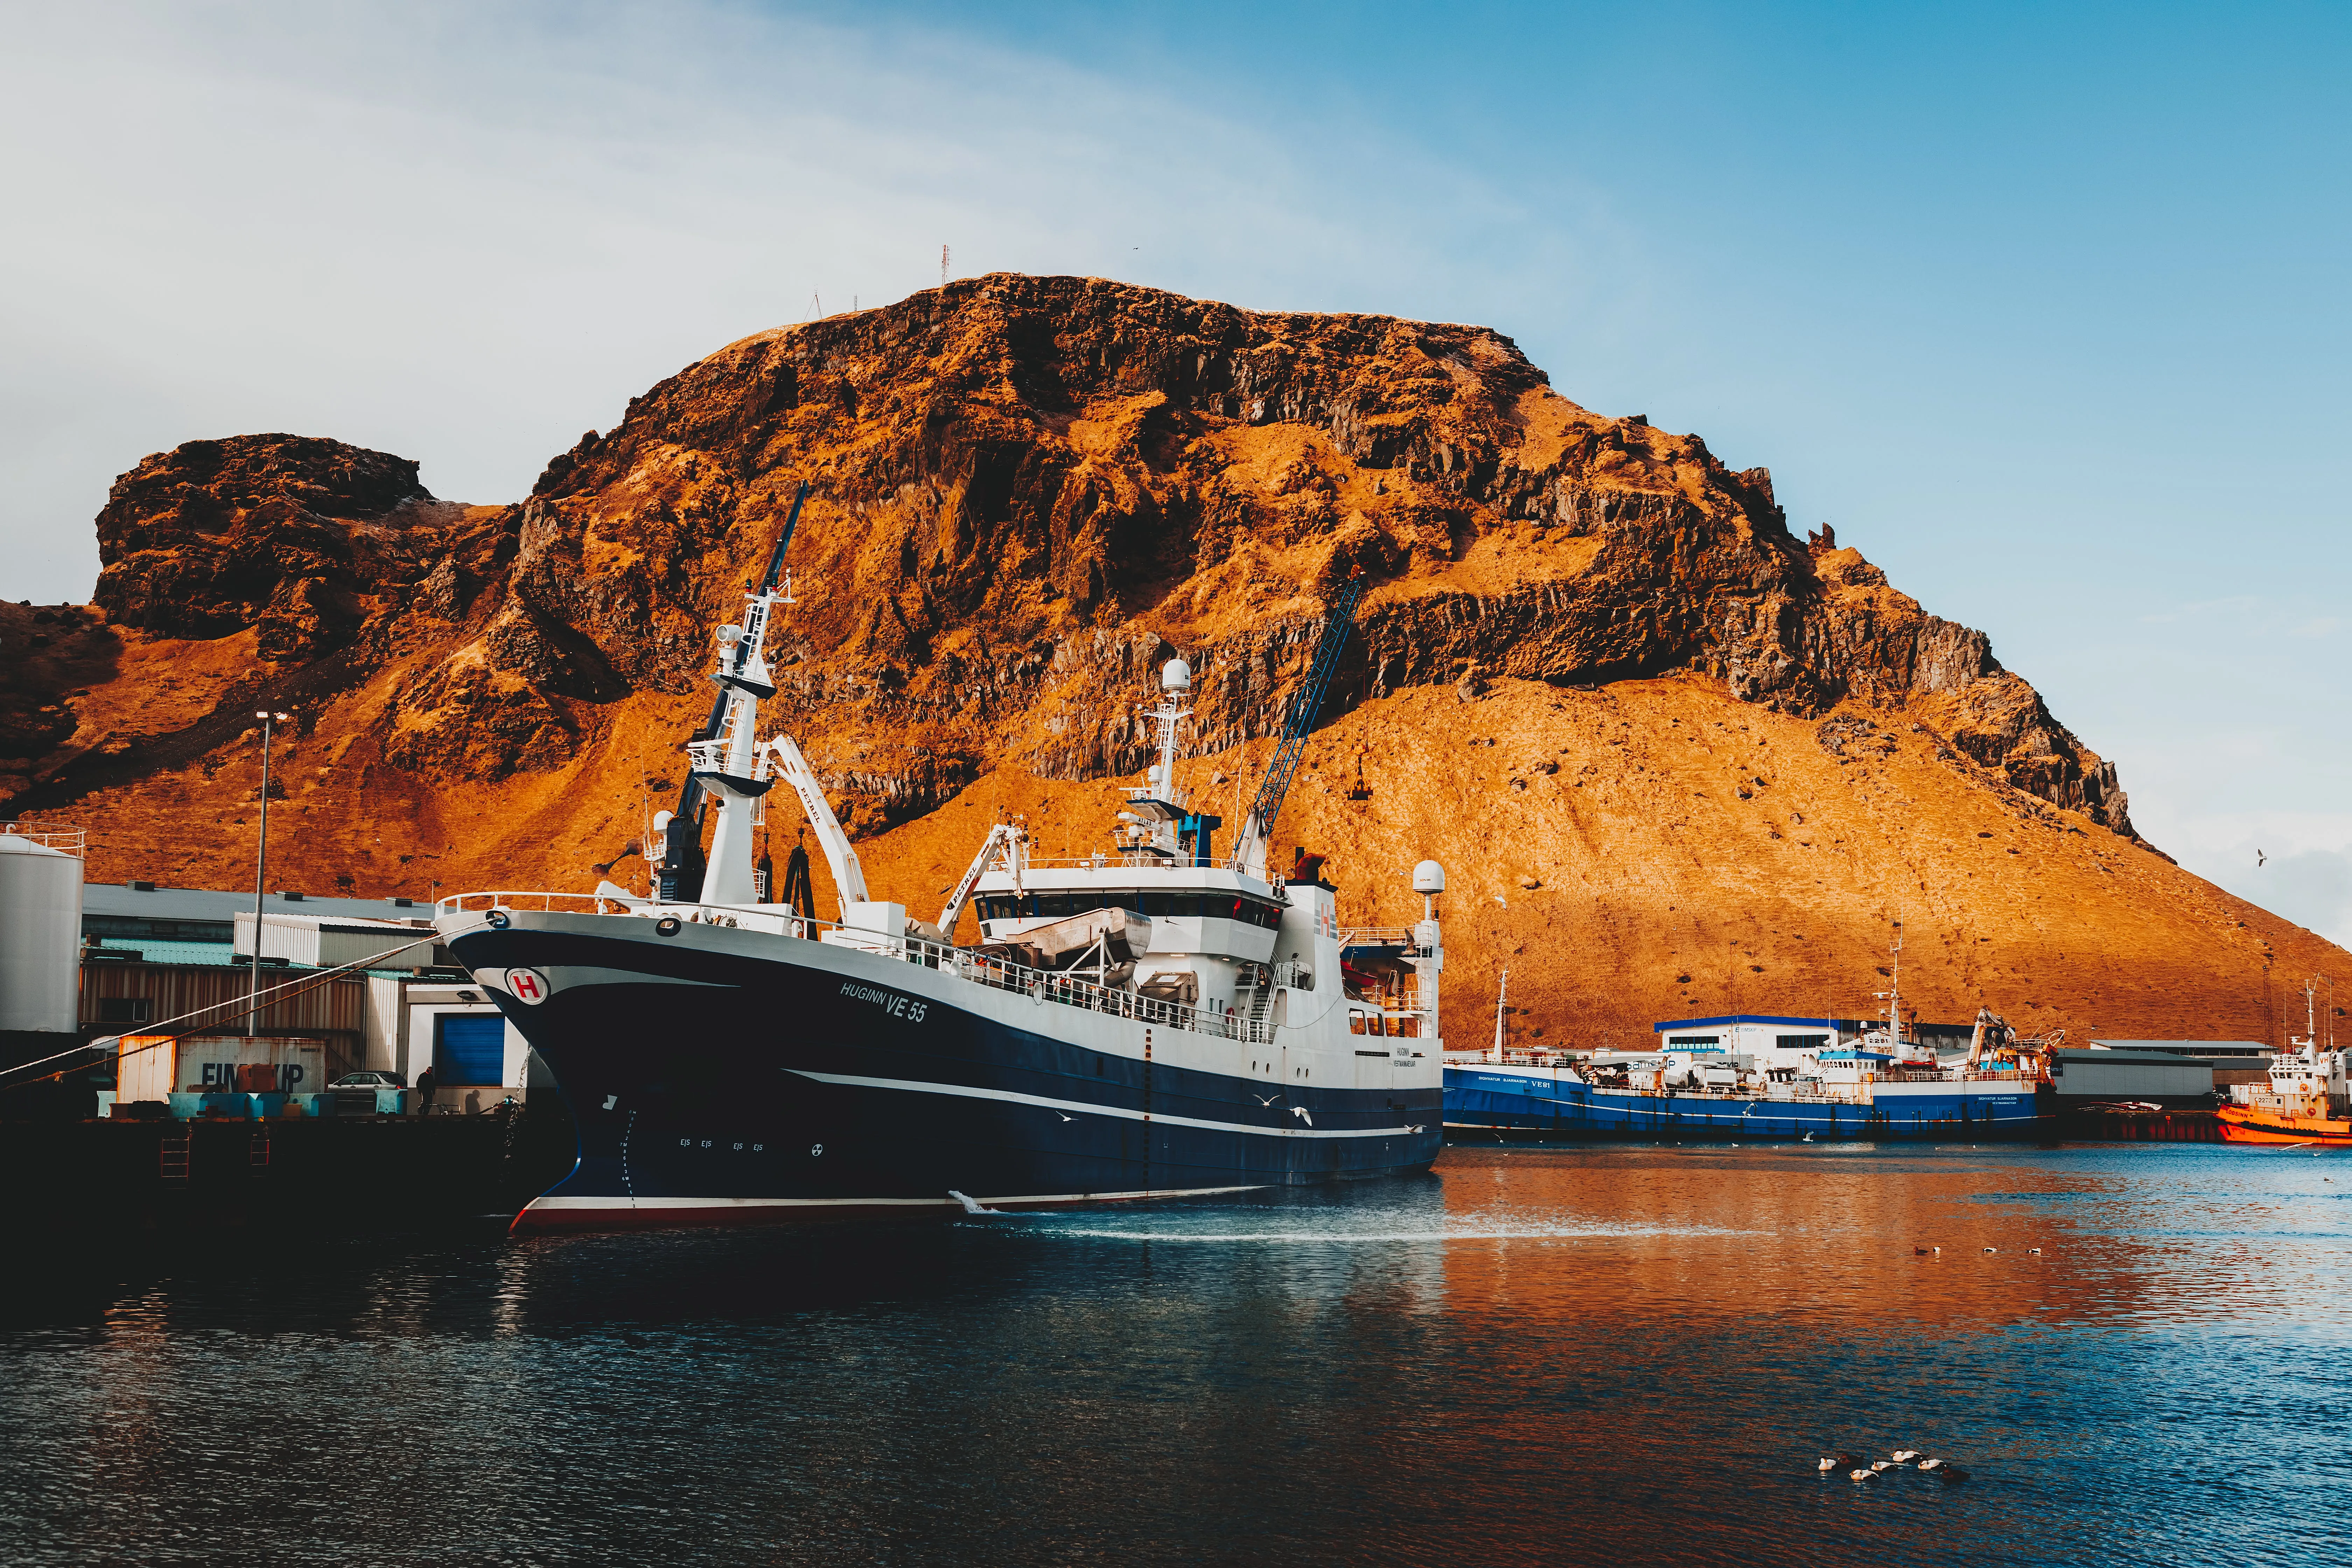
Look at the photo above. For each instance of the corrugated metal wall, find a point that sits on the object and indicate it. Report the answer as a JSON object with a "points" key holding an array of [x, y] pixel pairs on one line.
{"points": [[334, 1010]]}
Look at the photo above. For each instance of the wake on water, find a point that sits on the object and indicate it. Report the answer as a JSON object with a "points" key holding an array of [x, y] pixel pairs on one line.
{"points": [[1470, 1228]]}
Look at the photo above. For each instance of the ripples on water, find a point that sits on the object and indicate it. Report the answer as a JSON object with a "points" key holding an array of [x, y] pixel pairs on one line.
{"points": [[1609, 1356]]}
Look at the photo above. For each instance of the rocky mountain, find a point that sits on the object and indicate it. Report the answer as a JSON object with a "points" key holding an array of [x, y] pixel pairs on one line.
{"points": [[1593, 670]]}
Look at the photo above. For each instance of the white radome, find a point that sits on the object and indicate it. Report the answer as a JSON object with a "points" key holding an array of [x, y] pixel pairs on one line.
{"points": [[1175, 676], [1429, 877]]}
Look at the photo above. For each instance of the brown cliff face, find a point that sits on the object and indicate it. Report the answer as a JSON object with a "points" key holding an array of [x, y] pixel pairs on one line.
{"points": [[1026, 493]]}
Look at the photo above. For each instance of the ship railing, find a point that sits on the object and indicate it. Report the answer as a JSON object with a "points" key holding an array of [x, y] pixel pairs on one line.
{"points": [[71, 841], [1376, 936], [1104, 860], [1068, 989], [1779, 1095], [979, 968], [559, 903]]}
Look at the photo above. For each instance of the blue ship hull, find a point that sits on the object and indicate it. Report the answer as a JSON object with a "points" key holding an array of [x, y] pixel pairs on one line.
{"points": [[1478, 1098], [826, 1082]]}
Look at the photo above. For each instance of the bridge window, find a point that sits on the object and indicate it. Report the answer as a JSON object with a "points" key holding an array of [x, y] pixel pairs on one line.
{"points": [[1154, 904]]}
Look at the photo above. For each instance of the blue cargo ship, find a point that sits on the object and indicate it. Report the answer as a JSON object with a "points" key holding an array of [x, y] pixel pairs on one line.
{"points": [[1750, 1076]]}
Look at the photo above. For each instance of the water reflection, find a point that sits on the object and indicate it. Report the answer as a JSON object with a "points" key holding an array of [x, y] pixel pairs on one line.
{"points": [[1621, 1355]]}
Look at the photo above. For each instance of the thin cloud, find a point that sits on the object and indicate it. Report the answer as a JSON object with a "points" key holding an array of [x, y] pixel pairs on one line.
{"points": [[466, 235]]}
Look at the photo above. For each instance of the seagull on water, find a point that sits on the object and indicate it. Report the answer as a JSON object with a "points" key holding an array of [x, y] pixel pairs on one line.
{"points": [[1905, 1455]]}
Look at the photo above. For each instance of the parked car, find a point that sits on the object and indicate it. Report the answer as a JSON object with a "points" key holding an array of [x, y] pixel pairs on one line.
{"points": [[371, 1079]]}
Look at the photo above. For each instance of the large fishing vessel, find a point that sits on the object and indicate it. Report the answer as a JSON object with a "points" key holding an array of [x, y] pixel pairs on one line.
{"points": [[1145, 1022], [1749, 1076], [2306, 1100]]}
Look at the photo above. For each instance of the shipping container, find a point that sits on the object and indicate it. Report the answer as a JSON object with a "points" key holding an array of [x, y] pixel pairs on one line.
{"points": [[156, 1066]]}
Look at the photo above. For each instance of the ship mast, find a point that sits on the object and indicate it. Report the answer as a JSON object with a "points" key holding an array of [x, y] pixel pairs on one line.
{"points": [[1894, 998], [1501, 989], [724, 755]]}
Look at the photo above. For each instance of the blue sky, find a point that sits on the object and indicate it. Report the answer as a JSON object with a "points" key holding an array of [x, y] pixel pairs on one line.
{"points": [[2042, 307]]}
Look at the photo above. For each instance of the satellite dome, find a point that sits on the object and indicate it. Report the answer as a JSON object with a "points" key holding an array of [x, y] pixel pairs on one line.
{"points": [[1429, 877], [1175, 676]]}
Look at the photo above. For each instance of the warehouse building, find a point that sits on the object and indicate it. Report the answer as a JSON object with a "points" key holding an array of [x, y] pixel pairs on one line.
{"points": [[153, 953], [2179, 1075]]}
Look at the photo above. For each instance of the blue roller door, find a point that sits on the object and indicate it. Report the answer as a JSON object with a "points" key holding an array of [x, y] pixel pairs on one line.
{"points": [[470, 1049]]}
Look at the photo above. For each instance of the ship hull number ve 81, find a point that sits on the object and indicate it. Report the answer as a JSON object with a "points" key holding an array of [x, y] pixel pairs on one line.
{"points": [[890, 1002]]}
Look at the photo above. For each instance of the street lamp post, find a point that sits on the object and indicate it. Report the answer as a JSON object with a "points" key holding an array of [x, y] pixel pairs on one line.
{"points": [[261, 867]]}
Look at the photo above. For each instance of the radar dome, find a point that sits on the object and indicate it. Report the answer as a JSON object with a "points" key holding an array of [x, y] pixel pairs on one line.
{"points": [[1429, 877], [1175, 676]]}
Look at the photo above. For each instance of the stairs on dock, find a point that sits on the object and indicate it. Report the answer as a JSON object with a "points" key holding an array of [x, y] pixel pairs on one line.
{"points": [[172, 1155]]}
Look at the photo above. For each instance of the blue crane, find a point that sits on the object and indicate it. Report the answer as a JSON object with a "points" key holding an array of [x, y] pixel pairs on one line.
{"points": [[1257, 827]]}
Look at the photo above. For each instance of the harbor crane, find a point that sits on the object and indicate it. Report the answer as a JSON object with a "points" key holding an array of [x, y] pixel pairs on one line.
{"points": [[1257, 826]]}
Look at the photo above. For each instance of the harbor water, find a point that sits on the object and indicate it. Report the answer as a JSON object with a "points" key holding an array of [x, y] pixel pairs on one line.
{"points": [[1620, 1354]]}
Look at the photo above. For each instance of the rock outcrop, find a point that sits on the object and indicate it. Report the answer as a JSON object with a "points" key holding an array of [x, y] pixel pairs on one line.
{"points": [[1025, 492]]}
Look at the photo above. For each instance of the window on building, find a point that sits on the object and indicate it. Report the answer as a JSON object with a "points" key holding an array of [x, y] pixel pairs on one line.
{"points": [[1801, 1042], [1689, 1042], [126, 1009], [155, 928]]}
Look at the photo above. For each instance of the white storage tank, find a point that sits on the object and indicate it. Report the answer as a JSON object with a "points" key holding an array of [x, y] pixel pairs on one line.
{"points": [[40, 930]]}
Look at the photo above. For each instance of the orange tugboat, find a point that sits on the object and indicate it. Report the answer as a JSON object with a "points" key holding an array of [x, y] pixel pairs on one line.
{"points": [[2306, 1102]]}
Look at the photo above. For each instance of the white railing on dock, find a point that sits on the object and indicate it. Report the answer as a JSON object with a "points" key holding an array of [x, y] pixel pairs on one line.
{"points": [[965, 963]]}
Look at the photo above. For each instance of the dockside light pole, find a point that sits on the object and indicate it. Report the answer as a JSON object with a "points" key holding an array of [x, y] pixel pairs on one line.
{"points": [[261, 869]]}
